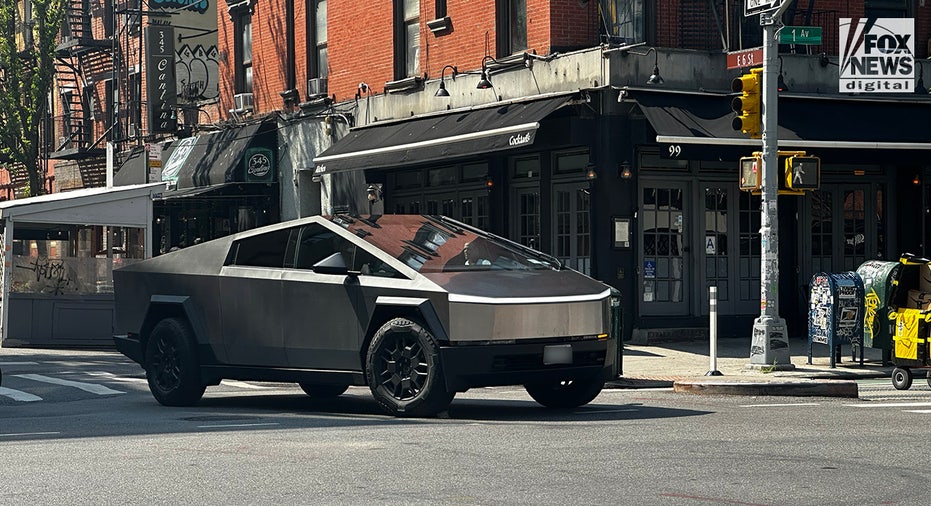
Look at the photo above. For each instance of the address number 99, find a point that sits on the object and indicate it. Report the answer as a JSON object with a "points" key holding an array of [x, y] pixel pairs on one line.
{"points": [[675, 150]]}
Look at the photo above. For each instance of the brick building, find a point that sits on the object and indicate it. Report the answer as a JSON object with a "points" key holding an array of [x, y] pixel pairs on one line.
{"points": [[600, 134]]}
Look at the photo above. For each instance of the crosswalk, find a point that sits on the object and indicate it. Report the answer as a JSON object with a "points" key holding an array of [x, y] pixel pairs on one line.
{"points": [[28, 387]]}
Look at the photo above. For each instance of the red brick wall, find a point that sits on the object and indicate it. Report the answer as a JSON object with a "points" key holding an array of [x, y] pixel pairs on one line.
{"points": [[360, 42]]}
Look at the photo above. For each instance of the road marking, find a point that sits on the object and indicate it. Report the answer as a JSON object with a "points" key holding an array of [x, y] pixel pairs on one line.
{"points": [[920, 411], [30, 434], [890, 405], [243, 384], [233, 425], [18, 395], [783, 405], [114, 377], [87, 387], [18, 363]]}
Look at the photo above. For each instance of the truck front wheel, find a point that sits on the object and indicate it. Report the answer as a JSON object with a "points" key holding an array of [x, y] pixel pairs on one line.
{"points": [[171, 366], [404, 371]]}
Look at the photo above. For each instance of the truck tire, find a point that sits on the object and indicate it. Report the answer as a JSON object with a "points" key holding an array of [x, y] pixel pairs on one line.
{"points": [[171, 366], [566, 393], [318, 391], [404, 371]]}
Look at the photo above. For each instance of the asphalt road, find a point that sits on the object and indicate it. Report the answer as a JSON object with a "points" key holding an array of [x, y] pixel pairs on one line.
{"points": [[264, 443]]}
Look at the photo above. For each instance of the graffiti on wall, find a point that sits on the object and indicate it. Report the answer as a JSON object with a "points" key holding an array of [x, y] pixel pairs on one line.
{"points": [[197, 70]]}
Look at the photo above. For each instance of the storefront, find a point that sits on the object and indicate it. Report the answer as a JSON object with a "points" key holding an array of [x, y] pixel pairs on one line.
{"points": [[59, 254], [220, 183]]}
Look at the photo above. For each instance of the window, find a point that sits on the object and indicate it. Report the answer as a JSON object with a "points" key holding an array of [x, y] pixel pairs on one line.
{"points": [[407, 38], [313, 243], [440, 11], [263, 250], [319, 65], [511, 26], [622, 21], [243, 48], [886, 8]]}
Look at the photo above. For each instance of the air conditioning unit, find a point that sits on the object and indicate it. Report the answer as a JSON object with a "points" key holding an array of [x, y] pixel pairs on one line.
{"points": [[316, 87], [243, 102]]}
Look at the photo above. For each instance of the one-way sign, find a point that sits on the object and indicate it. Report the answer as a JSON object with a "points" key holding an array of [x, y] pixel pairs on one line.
{"points": [[752, 7]]}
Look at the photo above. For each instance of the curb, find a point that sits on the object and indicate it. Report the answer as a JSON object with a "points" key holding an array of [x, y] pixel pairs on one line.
{"points": [[797, 388]]}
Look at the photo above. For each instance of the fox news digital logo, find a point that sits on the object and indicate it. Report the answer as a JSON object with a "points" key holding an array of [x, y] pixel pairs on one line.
{"points": [[877, 55]]}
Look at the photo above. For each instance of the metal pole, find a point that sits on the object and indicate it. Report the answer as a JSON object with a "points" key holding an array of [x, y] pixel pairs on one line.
{"points": [[713, 331], [770, 345]]}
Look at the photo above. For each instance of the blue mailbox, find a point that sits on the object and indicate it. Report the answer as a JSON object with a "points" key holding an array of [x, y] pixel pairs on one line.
{"points": [[835, 312]]}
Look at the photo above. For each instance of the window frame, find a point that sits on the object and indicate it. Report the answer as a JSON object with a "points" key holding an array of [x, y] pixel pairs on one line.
{"points": [[402, 43], [241, 19], [316, 68]]}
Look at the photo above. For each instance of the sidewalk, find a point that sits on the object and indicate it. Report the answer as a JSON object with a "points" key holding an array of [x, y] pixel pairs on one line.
{"points": [[683, 365]]}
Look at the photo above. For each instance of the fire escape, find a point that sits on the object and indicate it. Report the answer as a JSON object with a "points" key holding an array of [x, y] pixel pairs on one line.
{"points": [[84, 67]]}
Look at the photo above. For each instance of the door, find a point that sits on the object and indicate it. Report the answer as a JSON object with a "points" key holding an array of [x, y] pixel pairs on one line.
{"points": [[731, 249], [526, 207], [572, 225], [842, 227], [663, 252]]}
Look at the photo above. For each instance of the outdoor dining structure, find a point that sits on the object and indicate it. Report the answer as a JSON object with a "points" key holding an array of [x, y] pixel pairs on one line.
{"points": [[59, 252]]}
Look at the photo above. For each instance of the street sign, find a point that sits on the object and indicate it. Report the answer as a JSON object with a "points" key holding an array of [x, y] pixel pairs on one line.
{"points": [[752, 7], [745, 58], [803, 35]]}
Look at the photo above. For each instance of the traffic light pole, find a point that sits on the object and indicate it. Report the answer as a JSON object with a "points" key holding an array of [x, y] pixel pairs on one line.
{"points": [[769, 343]]}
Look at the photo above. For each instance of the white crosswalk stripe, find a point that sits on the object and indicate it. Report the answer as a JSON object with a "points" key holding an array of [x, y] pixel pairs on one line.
{"points": [[19, 395], [243, 384], [113, 377], [87, 387]]}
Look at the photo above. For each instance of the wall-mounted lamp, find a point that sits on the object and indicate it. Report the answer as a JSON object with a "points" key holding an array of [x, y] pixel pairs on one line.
{"points": [[441, 91], [654, 78], [484, 82], [781, 81], [624, 171], [374, 193], [916, 180], [489, 183], [590, 172]]}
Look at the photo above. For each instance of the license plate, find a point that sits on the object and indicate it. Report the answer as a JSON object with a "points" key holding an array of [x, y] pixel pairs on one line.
{"points": [[557, 354]]}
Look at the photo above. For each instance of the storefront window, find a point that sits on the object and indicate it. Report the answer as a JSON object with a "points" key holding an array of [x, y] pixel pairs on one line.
{"points": [[75, 262]]}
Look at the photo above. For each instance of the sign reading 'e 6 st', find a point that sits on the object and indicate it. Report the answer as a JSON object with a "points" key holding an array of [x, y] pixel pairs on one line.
{"points": [[877, 55], [161, 89]]}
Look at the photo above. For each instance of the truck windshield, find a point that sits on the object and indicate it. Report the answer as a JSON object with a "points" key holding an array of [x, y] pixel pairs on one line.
{"points": [[438, 244]]}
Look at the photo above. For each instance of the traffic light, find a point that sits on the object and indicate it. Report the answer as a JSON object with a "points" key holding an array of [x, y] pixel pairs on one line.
{"points": [[803, 172], [747, 105]]}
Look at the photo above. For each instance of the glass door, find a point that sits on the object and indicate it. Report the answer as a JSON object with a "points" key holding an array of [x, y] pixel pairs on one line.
{"points": [[664, 253], [572, 225], [731, 249], [842, 227]]}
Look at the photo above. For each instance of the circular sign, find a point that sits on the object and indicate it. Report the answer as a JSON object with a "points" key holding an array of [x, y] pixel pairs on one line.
{"points": [[259, 165]]}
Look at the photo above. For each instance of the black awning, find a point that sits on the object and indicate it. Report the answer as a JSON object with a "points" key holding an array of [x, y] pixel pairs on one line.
{"points": [[216, 191], [836, 122], [425, 139], [209, 159]]}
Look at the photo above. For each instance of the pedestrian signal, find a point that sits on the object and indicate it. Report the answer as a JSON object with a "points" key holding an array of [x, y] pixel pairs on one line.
{"points": [[750, 172], [803, 172], [748, 104]]}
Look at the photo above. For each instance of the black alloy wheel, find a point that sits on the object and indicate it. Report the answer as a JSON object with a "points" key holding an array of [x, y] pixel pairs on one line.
{"points": [[171, 366], [404, 371]]}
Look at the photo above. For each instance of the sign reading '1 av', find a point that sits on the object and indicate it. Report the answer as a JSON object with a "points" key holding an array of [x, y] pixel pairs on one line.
{"points": [[877, 55]]}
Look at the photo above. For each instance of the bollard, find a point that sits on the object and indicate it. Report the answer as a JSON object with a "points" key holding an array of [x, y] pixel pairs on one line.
{"points": [[713, 331]]}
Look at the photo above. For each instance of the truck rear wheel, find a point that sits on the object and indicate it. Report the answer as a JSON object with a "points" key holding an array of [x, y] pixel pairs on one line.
{"points": [[564, 394], [404, 371], [171, 366]]}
